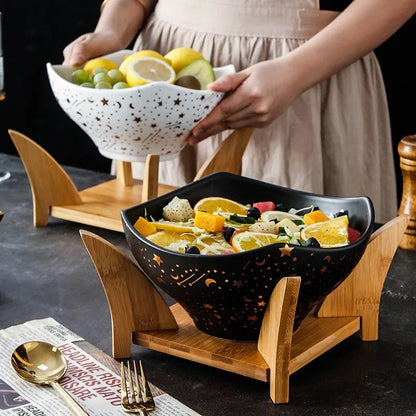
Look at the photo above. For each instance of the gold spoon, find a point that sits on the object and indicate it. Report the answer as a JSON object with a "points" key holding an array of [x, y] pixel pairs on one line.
{"points": [[43, 363]]}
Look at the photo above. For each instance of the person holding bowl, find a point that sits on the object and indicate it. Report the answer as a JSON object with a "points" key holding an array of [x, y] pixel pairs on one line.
{"points": [[307, 80]]}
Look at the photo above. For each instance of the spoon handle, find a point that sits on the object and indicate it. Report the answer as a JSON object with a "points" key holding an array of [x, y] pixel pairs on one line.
{"points": [[73, 405]]}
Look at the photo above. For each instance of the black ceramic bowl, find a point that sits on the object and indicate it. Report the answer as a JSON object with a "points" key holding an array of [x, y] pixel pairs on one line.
{"points": [[226, 295]]}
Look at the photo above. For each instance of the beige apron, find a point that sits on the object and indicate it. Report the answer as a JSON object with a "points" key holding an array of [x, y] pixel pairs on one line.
{"points": [[334, 139]]}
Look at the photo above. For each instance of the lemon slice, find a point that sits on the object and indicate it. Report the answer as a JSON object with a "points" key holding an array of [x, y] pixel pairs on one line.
{"points": [[248, 241], [332, 233], [145, 53], [99, 63], [206, 243], [279, 216], [216, 204], [145, 70]]}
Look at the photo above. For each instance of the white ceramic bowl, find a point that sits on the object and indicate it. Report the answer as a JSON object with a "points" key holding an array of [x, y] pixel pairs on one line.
{"points": [[128, 124]]}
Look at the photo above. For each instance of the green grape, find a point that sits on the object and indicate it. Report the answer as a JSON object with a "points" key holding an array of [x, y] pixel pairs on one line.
{"points": [[120, 85], [87, 85], [103, 85], [98, 70], [116, 76], [80, 76], [101, 77]]}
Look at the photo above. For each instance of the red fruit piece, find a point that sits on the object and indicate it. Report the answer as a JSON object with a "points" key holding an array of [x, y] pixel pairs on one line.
{"points": [[353, 235], [234, 233], [264, 206]]}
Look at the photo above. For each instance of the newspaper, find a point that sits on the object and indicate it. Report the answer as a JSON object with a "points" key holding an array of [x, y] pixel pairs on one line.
{"points": [[94, 386]]}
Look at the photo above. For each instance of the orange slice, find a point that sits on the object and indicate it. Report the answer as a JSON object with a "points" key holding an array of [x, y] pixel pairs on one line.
{"points": [[171, 240], [144, 227], [247, 240], [332, 233], [217, 204], [210, 222], [314, 216]]}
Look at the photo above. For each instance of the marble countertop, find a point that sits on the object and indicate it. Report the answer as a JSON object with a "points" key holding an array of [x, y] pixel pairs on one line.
{"points": [[46, 271]]}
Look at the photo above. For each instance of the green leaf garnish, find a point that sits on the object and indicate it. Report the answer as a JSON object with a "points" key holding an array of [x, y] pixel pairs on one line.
{"points": [[242, 220]]}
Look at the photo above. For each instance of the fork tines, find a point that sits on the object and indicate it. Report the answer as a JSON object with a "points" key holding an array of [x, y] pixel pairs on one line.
{"points": [[146, 393], [139, 399]]}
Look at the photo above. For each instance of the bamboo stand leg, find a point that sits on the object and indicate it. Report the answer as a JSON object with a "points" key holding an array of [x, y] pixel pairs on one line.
{"points": [[275, 340], [359, 294], [229, 156], [50, 184], [143, 309], [54, 194], [124, 173], [135, 305], [151, 178]]}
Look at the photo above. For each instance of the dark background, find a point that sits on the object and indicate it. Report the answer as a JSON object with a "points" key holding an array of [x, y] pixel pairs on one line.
{"points": [[35, 33]]}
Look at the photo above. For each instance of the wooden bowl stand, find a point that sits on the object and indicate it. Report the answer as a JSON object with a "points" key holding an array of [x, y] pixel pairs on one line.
{"points": [[54, 193], [139, 314]]}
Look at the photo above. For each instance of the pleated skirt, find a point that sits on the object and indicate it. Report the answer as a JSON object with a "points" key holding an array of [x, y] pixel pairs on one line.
{"points": [[335, 139]]}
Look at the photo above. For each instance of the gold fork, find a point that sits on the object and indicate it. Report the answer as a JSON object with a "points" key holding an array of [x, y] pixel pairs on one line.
{"points": [[140, 399]]}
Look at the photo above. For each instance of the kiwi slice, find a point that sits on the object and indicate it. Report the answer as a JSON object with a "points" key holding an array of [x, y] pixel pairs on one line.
{"points": [[188, 81], [201, 69]]}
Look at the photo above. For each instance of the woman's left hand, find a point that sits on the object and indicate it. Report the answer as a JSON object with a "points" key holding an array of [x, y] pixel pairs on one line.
{"points": [[254, 98], [261, 93]]}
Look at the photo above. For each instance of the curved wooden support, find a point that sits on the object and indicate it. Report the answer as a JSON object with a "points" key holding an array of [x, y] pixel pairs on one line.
{"points": [[141, 316], [360, 293], [275, 340], [50, 184], [54, 194], [135, 304], [229, 155]]}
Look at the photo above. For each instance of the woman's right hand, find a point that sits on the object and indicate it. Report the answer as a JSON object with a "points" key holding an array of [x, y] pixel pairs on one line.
{"points": [[90, 45]]}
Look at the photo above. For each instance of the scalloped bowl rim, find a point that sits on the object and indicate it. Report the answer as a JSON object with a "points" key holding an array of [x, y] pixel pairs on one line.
{"points": [[364, 235], [64, 73]]}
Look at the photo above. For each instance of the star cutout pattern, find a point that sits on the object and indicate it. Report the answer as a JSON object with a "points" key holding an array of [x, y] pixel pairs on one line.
{"points": [[286, 250], [157, 259]]}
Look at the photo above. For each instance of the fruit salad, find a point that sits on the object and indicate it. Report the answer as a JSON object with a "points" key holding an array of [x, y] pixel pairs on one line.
{"points": [[182, 66], [218, 225]]}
